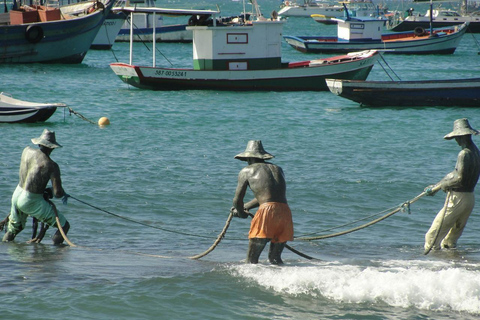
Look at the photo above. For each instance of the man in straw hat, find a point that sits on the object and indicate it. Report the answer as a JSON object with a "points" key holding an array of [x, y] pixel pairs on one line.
{"points": [[36, 170], [273, 220], [459, 184]]}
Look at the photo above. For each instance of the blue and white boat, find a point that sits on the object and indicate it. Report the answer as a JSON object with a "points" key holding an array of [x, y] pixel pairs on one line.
{"points": [[49, 35]]}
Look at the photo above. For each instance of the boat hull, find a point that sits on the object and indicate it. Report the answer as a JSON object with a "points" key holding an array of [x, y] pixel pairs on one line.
{"points": [[63, 41], [473, 27], [284, 79], [18, 111], [442, 44], [25, 115], [434, 93], [107, 34]]}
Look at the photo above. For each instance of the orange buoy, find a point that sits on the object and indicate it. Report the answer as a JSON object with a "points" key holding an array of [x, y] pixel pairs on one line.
{"points": [[103, 121]]}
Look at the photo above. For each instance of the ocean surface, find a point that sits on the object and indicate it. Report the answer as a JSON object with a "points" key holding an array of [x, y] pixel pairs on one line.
{"points": [[166, 161]]}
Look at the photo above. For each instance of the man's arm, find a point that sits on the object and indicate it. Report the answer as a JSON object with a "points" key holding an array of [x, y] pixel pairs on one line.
{"points": [[238, 204], [454, 178], [58, 191]]}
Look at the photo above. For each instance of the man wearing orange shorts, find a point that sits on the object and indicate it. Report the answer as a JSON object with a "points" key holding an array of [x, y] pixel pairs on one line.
{"points": [[273, 220]]}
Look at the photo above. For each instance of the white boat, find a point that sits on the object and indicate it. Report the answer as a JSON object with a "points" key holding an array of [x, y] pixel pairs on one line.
{"points": [[44, 34], [109, 31], [327, 10], [363, 34], [243, 57], [16, 111]]}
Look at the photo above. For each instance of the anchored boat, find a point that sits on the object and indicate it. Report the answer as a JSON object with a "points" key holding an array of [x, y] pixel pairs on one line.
{"points": [[15, 110], [242, 57]]}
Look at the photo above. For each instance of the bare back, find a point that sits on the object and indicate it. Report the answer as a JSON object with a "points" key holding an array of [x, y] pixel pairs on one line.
{"points": [[36, 169], [266, 181]]}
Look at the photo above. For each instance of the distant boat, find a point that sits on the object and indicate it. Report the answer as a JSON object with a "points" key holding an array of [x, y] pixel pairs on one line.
{"points": [[362, 34], [45, 34], [427, 93], [328, 9], [439, 18], [16, 111], [243, 57]]}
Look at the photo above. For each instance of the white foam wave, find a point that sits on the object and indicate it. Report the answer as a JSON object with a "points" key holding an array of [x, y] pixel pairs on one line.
{"points": [[440, 287]]}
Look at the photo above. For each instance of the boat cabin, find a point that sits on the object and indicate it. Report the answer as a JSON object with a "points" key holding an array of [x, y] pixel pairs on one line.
{"points": [[252, 46], [352, 29]]}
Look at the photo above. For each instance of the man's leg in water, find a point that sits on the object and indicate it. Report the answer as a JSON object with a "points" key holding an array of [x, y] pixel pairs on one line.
{"points": [[57, 237], [275, 252], [255, 248]]}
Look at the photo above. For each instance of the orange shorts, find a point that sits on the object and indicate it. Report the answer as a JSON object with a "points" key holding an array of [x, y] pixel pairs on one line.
{"points": [[273, 220]]}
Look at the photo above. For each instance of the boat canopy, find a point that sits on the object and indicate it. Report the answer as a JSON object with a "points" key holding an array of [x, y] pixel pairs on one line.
{"points": [[167, 11]]}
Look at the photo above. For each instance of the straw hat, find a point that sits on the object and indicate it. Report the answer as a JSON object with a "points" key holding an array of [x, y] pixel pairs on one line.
{"points": [[254, 150], [47, 139], [461, 127]]}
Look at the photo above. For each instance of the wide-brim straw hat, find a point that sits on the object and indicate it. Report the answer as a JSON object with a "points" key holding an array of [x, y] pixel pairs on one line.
{"points": [[254, 150], [461, 127], [47, 139]]}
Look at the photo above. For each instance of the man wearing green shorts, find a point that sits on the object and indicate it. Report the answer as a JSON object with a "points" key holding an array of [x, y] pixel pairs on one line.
{"points": [[36, 170]]}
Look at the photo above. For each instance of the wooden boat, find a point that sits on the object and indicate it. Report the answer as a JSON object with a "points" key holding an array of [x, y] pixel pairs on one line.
{"points": [[15, 111], [363, 34], [427, 93], [243, 57], [45, 34]]}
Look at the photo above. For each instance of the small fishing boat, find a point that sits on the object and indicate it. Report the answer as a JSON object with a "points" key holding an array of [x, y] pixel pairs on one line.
{"points": [[364, 34], [426, 93], [242, 57], [15, 110], [49, 35]]}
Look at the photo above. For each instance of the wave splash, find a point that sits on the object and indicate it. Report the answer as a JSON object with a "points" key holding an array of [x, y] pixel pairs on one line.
{"points": [[423, 285]]}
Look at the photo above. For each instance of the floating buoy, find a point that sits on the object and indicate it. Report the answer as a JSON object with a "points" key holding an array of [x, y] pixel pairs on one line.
{"points": [[103, 121]]}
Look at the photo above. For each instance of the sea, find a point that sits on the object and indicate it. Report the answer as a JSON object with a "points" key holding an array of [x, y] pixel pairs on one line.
{"points": [[155, 187]]}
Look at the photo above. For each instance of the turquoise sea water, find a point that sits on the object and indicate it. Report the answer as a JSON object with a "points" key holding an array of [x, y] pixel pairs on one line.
{"points": [[166, 160]]}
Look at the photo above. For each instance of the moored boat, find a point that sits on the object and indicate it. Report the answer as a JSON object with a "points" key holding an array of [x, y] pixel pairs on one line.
{"points": [[18, 111], [48, 35], [243, 57], [363, 34], [426, 93]]}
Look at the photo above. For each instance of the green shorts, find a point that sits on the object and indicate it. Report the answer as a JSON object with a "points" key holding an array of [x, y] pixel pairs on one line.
{"points": [[26, 204]]}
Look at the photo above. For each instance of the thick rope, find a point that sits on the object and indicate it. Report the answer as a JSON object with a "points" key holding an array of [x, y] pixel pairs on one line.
{"points": [[59, 225], [401, 207], [427, 251], [222, 235], [219, 238]]}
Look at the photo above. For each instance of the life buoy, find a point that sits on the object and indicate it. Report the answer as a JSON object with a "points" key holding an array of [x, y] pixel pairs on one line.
{"points": [[419, 31], [34, 34]]}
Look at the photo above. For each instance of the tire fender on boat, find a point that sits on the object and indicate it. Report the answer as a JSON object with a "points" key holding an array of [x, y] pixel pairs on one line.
{"points": [[419, 31], [34, 34]]}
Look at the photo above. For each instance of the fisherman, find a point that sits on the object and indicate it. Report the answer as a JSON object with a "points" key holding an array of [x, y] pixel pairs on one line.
{"points": [[273, 220], [36, 170], [459, 184]]}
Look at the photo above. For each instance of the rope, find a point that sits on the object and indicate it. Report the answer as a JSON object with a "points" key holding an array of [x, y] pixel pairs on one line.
{"points": [[59, 225], [80, 115], [401, 207], [222, 235], [219, 238], [139, 222], [427, 251]]}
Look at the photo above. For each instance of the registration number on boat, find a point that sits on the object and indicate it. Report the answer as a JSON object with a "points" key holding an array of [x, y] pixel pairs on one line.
{"points": [[170, 73]]}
